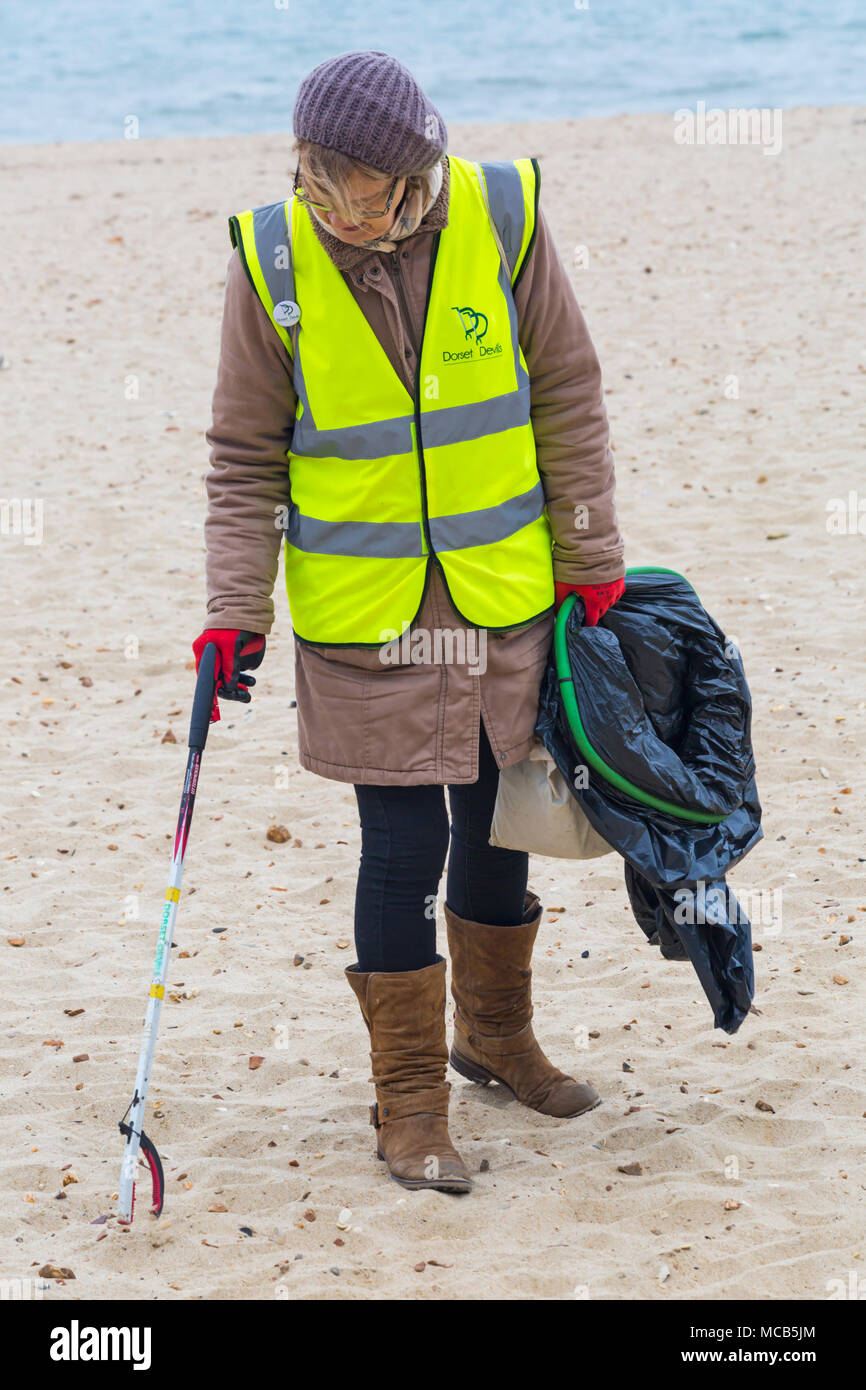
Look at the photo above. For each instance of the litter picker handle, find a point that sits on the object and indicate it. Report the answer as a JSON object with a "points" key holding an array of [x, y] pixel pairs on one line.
{"points": [[202, 702], [133, 1131]]}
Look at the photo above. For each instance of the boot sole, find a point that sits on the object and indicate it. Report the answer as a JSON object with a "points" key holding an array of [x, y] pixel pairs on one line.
{"points": [[474, 1072], [455, 1185]]}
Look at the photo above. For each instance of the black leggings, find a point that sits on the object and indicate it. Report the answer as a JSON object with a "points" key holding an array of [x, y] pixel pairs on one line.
{"points": [[404, 841]]}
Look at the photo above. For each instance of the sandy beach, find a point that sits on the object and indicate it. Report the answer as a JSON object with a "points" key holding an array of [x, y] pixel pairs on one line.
{"points": [[723, 288]]}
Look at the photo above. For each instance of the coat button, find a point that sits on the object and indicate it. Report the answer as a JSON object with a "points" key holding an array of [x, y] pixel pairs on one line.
{"points": [[405, 255], [386, 1111]]}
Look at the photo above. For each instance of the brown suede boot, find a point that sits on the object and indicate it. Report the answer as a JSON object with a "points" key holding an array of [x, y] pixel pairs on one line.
{"points": [[493, 1037], [405, 1016]]}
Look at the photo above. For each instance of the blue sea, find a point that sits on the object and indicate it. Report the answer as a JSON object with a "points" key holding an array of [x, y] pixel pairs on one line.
{"points": [[78, 71]]}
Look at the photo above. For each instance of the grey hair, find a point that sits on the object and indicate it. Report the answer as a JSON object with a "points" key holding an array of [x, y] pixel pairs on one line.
{"points": [[329, 172]]}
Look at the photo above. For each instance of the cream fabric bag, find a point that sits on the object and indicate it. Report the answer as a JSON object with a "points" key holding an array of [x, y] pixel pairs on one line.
{"points": [[535, 811]]}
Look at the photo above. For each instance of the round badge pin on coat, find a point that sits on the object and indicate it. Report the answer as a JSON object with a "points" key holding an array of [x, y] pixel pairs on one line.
{"points": [[287, 313]]}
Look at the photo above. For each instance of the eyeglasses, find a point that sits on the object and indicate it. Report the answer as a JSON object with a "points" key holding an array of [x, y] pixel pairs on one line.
{"points": [[368, 213]]}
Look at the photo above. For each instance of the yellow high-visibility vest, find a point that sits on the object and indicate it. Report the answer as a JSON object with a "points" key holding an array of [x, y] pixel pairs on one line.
{"points": [[384, 486]]}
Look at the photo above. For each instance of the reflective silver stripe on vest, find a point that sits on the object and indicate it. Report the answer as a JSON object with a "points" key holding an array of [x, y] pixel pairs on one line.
{"points": [[520, 373], [397, 540], [507, 208], [272, 230], [389, 540], [488, 524], [273, 243], [373, 441], [458, 423]]}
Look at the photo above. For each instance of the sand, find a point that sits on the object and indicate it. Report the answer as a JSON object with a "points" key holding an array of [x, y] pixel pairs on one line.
{"points": [[704, 264]]}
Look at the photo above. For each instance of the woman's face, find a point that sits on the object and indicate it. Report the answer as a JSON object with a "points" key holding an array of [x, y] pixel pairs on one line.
{"points": [[370, 194]]}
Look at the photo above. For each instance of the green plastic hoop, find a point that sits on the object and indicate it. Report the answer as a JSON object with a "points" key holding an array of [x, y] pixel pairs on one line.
{"points": [[578, 732]]}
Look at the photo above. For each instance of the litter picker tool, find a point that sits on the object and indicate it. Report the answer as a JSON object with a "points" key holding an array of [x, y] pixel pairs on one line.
{"points": [[131, 1124]]}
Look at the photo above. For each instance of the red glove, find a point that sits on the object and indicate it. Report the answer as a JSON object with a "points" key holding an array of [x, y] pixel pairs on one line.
{"points": [[238, 653], [597, 598]]}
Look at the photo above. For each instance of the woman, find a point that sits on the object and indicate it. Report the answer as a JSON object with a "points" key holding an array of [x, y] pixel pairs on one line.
{"points": [[408, 394]]}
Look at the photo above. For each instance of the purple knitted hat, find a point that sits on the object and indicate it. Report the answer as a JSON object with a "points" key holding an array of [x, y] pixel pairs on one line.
{"points": [[367, 105]]}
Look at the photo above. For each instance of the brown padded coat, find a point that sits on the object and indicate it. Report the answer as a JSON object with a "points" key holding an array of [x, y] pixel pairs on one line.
{"points": [[412, 722]]}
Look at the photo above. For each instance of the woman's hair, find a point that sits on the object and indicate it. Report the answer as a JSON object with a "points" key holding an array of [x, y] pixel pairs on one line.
{"points": [[329, 172]]}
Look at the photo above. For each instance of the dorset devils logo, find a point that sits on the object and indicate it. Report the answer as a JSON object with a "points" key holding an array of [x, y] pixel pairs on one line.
{"points": [[474, 325], [471, 321]]}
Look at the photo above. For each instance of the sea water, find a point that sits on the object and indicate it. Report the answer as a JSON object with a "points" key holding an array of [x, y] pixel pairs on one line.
{"points": [[96, 69]]}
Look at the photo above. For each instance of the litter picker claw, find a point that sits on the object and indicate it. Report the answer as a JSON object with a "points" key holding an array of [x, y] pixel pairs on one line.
{"points": [[131, 1124]]}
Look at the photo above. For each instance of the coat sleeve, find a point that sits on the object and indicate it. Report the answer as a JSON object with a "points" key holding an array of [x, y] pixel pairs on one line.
{"points": [[569, 419], [248, 483]]}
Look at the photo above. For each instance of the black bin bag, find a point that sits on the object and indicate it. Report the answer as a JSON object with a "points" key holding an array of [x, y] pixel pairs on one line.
{"points": [[648, 718]]}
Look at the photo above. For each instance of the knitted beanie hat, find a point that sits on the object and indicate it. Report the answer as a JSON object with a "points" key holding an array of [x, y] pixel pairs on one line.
{"points": [[367, 105]]}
